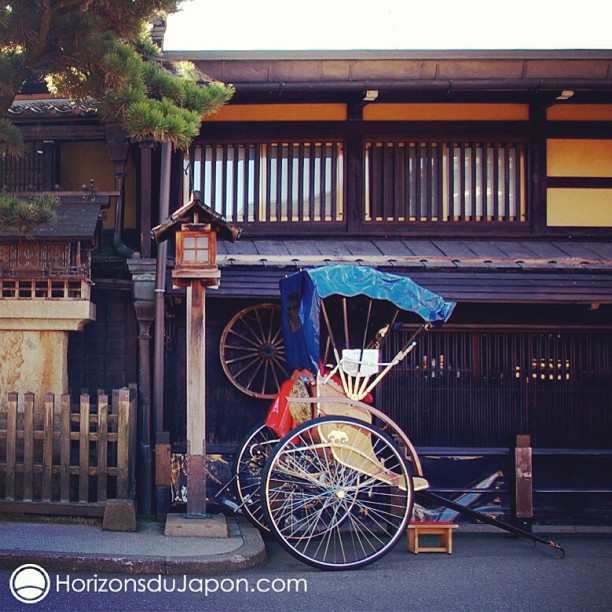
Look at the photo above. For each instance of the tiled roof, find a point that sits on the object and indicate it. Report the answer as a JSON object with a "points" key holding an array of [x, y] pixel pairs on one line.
{"points": [[421, 254], [462, 270], [443, 71], [76, 221], [51, 107]]}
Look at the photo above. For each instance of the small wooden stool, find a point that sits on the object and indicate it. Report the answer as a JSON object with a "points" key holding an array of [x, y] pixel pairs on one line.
{"points": [[444, 530]]}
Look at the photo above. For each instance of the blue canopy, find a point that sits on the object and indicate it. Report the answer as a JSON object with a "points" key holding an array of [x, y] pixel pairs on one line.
{"points": [[302, 292]]}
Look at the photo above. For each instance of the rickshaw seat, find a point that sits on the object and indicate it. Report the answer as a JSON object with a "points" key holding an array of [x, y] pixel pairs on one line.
{"points": [[351, 447], [332, 389]]}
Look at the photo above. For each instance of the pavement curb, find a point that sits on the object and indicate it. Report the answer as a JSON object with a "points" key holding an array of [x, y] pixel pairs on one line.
{"points": [[250, 554]]}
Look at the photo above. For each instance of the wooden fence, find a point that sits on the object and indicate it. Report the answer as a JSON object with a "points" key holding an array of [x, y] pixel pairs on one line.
{"points": [[67, 459]]}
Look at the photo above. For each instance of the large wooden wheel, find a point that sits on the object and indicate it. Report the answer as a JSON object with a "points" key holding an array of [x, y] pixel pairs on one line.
{"points": [[252, 351]]}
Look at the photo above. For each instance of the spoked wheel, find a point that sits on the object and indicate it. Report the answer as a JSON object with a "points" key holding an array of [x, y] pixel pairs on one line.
{"points": [[336, 492], [252, 351], [248, 467]]}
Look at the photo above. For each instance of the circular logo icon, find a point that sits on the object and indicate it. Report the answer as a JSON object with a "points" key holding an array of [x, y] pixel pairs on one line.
{"points": [[29, 583]]}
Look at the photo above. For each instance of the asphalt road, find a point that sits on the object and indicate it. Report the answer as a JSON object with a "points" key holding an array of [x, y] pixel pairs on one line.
{"points": [[485, 572]]}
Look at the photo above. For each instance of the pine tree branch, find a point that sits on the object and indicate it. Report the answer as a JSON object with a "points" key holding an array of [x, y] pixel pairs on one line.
{"points": [[23, 214], [99, 49]]}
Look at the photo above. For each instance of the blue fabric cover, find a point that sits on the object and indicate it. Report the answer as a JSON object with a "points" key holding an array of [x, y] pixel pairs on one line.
{"points": [[302, 292]]}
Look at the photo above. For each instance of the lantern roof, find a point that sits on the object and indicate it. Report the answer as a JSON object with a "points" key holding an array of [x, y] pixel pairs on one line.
{"points": [[195, 209]]}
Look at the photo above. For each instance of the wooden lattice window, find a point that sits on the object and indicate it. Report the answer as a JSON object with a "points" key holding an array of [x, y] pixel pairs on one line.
{"points": [[33, 171], [447, 182], [271, 182], [479, 388]]}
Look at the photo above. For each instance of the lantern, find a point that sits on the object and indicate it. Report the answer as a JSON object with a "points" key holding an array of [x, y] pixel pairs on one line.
{"points": [[196, 254], [196, 246]]}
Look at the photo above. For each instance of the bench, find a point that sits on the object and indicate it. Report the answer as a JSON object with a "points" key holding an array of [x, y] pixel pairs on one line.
{"points": [[444, 531]]}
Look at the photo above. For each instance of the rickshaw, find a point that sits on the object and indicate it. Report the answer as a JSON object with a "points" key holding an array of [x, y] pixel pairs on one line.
{"points": [[330, 476]]}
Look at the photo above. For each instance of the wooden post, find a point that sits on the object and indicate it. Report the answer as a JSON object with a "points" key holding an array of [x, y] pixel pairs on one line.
{"points": [[47, 466], [523, 479], [163, 480], [194, 226], [28, 447], [11, 445], [84, 449], [102, 447], [196, 408], [65, 448], [123, 444], [146, 149]]}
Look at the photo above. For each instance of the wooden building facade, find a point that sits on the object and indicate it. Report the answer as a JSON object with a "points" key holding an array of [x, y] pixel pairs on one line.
{"points": [[484, 176]]}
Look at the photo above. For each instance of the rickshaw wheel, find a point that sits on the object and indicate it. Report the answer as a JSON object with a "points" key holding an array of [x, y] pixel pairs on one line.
{"points": [[252, 351], [248, 466], [336, 493]]}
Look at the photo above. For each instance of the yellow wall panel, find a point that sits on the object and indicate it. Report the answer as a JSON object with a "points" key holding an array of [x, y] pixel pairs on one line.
{"points": [[579, 112], [446, 112], [586, 158], [280, 112], [579, 207], [83, 161]]}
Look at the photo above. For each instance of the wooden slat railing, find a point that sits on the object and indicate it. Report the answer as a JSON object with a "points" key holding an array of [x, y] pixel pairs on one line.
{"points": [[68, 288], [68, 460]]}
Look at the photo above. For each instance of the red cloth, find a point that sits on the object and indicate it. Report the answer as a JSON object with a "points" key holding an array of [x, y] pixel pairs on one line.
{"points": [[279, 417]]}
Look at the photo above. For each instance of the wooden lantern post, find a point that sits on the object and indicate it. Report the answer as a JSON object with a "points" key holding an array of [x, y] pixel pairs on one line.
{"points": [[195, 268], [195, 227]]}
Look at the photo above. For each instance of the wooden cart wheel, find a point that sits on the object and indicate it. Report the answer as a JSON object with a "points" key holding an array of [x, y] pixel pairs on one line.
{"points": [[252, 351]]}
